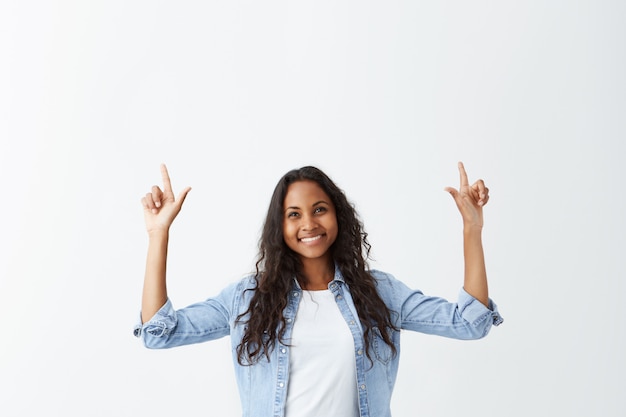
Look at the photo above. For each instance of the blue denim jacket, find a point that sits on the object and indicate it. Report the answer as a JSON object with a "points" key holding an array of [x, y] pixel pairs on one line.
{"points": [[263, 386]]}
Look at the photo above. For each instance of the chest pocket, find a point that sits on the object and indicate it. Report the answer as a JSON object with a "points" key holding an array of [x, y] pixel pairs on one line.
{"points": [[382, 350]]}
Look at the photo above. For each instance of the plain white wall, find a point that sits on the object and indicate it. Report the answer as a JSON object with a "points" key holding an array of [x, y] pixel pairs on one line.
{"points": [[386, 97]]}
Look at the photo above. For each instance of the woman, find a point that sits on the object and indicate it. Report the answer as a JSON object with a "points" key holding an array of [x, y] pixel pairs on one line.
{"points": [[314, 332]]}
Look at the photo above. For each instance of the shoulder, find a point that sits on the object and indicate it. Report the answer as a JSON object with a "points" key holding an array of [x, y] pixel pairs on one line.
{"points": [[236, 295], [387, 284], [246, 284], [236, 289], [382, 277]]}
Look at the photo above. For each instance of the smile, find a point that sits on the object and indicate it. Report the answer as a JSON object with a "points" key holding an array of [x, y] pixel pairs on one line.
{"points": [[310, 239]]}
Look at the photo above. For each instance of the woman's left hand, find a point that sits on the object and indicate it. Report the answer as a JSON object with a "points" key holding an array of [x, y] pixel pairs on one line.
{"points": [[470, 200]]}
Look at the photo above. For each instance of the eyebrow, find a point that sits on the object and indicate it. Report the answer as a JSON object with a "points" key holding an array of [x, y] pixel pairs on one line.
{"points": [[314, 205]]}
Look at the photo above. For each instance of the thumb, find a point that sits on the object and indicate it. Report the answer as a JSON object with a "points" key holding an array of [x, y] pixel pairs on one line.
{"points": [[182, 196], [453, 192]]}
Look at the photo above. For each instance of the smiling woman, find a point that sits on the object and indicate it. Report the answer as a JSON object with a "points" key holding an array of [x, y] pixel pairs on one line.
{"points": [[314, 331], [310, 229]]}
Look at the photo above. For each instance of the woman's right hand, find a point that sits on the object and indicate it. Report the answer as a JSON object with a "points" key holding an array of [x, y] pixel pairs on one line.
{"points": [[160, 208]]}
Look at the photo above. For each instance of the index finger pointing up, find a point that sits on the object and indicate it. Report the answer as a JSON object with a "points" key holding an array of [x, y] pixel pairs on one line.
{"points": [[167, 184], [463, 174]]}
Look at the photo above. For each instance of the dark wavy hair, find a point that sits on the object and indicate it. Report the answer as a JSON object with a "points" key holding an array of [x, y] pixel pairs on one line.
{"points": [[277, 265]]}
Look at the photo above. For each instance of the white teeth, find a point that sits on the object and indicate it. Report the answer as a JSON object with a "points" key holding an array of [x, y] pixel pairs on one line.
{"points": [[310, 239]]}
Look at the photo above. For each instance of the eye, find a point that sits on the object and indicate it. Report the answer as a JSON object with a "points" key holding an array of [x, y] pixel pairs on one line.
{"points": [[320, 210], [292, 214]]}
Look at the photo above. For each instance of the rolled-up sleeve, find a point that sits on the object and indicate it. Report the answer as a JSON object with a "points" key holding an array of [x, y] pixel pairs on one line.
{"points": [[468, 318], [476, 314], [160, 324], [199, 322]]}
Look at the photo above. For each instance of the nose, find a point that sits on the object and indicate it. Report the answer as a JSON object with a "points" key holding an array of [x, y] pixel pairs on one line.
{"points": [[308, 223]]}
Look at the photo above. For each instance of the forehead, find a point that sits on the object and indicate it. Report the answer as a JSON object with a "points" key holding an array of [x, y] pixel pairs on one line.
{"points": [[303, 193]]}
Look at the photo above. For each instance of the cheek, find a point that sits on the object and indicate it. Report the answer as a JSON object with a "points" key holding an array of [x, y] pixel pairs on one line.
{"points": [[333, 231], [287, 231], [334, 226]]}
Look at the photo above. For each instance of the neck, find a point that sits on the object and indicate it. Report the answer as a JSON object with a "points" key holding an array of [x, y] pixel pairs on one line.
{"points": [[316, 274]]}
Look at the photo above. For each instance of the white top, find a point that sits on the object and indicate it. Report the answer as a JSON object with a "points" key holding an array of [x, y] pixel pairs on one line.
{"points": [[322, 370]]}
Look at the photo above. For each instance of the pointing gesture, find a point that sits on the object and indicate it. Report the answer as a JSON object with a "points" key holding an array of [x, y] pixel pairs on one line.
{"points": [[470, 199], [160, 207]]}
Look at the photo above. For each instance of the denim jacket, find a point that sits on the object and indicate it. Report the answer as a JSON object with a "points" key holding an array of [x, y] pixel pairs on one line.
{"points": [[263, 386]]}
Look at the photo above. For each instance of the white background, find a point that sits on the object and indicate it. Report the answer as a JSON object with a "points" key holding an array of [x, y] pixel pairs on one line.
{"points": [[385, 97]]}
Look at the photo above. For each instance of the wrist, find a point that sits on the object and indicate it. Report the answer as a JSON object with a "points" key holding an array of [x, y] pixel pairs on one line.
{"points": [[158, 234], [472, 229]]}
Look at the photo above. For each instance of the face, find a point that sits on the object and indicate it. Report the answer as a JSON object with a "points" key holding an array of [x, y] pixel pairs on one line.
{"points": [[309, 221]]}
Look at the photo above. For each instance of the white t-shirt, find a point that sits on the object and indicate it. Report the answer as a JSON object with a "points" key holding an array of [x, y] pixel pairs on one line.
{"points": [[322, 369]]}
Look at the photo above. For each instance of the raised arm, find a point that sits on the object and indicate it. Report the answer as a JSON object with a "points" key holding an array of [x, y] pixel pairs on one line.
{"points": [[160, 208], [470, 201]]}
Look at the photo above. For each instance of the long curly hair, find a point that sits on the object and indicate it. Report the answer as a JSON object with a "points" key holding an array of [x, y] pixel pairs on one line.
{"points": [[277, 265]]}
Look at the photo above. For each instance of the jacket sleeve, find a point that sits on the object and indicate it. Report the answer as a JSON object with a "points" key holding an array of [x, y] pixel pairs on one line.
{"points": [[468, 318], [200, 322]]}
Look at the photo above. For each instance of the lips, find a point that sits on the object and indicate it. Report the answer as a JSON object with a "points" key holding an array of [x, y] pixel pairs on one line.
{"points": [[310, 239]]}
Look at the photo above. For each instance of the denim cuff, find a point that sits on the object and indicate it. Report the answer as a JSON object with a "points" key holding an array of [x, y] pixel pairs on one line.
{"points": [[160, 324], [475, 312]]}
